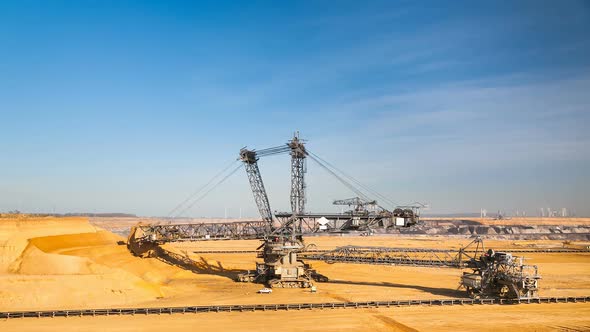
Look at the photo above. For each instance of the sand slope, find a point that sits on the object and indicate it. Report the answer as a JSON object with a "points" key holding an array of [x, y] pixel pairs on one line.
{"points": [[33, 261], [37, 272], [16, 231]]}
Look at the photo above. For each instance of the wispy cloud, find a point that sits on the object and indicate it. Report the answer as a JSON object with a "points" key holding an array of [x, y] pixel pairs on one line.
{"points": [[543, 112]]}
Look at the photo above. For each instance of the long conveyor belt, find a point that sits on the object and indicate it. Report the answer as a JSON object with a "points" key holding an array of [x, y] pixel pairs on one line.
{"points": [[283, 306]]}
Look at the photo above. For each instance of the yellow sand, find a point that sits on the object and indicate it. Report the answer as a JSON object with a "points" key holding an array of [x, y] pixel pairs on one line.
{"points": [[15, 231], [34, 273]]}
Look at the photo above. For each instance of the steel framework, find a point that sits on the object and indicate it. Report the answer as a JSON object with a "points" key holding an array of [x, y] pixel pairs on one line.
{"points": [[391, 256], [158, 234], [298, 169], [250, 159], [338, 222]]}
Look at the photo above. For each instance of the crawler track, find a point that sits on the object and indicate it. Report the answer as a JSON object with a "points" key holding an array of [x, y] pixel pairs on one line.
{"points": [[286, 306]]}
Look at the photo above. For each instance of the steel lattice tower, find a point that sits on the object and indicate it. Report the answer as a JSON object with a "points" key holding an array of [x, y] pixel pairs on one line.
{"points": [[298, 169], [250, 160]]}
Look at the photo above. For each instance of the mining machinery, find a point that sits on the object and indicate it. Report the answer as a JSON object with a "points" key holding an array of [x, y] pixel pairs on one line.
{"points": [[368, 214], [499, 274], [493, 275], [281, 233], [283, 249], [358, 219], [282, 243], [281, 266], [358, 204]]}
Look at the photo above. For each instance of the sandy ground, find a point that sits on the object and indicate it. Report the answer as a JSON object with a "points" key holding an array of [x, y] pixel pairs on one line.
{"points": [[50, 263]]}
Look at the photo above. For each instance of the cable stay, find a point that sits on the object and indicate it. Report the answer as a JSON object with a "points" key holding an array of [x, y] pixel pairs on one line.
{"points": [[272, 151], [180, 210], [199, 190], [339, 178], [333, 170], [380, 196]]}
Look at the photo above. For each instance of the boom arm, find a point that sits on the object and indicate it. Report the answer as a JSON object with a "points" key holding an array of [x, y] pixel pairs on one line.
{"points": [[250, 159]]}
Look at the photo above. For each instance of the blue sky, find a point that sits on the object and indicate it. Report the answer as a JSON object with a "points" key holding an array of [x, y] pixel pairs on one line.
{"points": [[130, 106]]}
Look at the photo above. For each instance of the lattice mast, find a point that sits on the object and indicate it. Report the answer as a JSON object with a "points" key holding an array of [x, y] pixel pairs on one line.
{"points": [[250, 159], [298, 169]]}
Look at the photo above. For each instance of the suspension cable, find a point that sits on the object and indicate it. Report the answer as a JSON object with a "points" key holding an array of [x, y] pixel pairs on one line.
{"points": [[194, 194], [208, 191], [358, 183], [339, 178], [273, 150], [387, 200]]}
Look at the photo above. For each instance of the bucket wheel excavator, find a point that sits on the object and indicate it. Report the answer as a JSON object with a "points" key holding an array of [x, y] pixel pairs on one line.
{"points": [[494, 274]]}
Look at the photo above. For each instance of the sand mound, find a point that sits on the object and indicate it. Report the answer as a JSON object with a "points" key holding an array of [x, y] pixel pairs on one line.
{"points": [[66, 263], [16, 231], [37, 262], [29, 227], [60, 243]]}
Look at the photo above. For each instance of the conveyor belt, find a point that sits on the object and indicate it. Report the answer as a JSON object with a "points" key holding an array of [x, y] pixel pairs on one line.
{"points": [[283, 306]]}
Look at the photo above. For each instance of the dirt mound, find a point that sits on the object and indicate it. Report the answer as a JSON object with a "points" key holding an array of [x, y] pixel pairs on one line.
{"points": [[42, 257], [34, 261], [60, 243], [16, 231], [66, 263]]}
